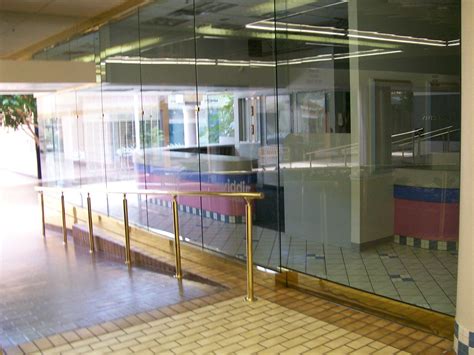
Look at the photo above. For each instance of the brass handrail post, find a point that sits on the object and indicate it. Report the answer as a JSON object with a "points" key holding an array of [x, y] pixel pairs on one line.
{"points": [[177, 246], [249, 233], [63, 215], [43, 223], [128, 258], [91, 227]]}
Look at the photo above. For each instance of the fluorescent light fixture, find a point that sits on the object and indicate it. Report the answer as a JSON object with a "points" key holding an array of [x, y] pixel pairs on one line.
{"points": [[189, 61], [365, 54], [247, 63], [163, 61], [454, 42], [389, 37], [294, 27], [339, 56], [319, 8], [286, 27], [318, 58]]}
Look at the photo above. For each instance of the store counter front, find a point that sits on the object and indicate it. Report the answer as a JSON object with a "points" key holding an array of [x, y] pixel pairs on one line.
{"points": [[182, 171], [426, 207]]}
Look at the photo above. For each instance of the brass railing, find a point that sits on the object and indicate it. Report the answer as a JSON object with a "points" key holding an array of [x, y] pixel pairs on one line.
{"points": [[249, 197]]}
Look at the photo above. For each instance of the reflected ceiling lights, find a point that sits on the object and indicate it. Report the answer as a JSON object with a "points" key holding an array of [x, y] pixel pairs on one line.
{"points": [[189, 61], [339, 56], [248, 63], [293, 27], [388, 37], [286, 27], [455, 42]]}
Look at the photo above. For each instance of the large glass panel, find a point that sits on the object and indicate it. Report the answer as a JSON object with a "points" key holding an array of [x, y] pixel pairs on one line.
{"points": [[122, 115], [369, 126], [237, 125], [89, 107], [170, 155], [51, 138]]}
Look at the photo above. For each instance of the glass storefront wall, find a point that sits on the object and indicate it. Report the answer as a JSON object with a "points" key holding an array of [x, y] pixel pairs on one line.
{"points": [[346, 114]]}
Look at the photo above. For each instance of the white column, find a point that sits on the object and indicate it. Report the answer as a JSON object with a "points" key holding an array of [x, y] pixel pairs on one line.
{"points": [[137, 117], [464, 333], [190, 127]]}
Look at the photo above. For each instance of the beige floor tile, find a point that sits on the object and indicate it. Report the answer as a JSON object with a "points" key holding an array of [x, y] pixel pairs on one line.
{"points": [[377, 345], [343, 350], [276, 349], [291, 343], [359, 343], [206, 349], [186, 348], [229, 349], [250, 350], [231, 340], [273, 341], [124, 345], [337, 343], [143, 346], [364, 351], [233, 326], [210, 340], [165, 346], [252, 341], [388, 350], [336, 334], [300, 349]]}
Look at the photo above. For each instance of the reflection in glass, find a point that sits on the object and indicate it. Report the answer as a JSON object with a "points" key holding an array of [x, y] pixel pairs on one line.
{"points": [[346, 114]]}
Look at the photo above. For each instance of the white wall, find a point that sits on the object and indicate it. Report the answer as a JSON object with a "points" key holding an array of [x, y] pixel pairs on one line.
{"points": [[17, 152]]}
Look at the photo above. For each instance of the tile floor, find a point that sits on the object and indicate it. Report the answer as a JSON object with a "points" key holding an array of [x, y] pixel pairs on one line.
{"points": [[231, 327], [281, 321], [426, 278], [46, 288]]}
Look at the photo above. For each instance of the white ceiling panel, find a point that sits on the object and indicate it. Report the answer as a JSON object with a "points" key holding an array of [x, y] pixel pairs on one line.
{"points": [[26, 22]]}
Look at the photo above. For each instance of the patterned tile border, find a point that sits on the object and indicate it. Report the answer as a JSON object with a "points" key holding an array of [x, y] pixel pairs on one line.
{"points": [[419, 242], [463, 340], [197, 212]]}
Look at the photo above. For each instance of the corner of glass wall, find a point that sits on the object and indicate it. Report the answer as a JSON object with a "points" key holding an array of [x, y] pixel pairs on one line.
{"points": [[369, 119]]}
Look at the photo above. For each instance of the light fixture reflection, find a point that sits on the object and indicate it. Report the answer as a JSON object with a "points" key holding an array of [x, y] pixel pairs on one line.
{"points": [[389, 37], [298, 28], [287, 27], [248, 63]]}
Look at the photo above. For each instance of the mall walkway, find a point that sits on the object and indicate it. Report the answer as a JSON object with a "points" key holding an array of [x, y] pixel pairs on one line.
{"points": [[47, 288], [60, 300]]}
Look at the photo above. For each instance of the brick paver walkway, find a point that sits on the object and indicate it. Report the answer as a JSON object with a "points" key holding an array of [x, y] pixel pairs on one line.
{"points": [[232, 326]]}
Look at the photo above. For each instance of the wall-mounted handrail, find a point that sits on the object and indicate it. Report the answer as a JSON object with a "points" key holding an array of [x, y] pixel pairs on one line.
{"points": [[407, 133], [447, 129], [343, 148], [247, 196], [410, 141]]}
